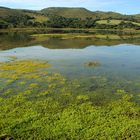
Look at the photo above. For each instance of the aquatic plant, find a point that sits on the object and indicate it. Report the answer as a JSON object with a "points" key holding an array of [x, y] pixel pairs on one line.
{"points": [[47, 119], [93, 64], [18, 69], [42, 105], [12, 57]]}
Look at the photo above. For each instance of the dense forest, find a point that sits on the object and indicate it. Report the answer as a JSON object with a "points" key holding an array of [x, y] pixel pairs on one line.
{"points": [[66, 18]]}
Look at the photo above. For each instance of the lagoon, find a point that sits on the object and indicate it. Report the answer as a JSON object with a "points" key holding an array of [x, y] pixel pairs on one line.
{"points": [[119, 60]]}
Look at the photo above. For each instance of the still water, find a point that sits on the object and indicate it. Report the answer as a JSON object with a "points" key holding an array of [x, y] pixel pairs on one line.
{"points": [[119, 59]]}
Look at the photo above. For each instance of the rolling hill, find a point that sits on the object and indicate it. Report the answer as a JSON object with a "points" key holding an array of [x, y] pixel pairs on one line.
{"points": [[67, 12], [84, 13], [53, 16], [78, 13], [20, 18]]}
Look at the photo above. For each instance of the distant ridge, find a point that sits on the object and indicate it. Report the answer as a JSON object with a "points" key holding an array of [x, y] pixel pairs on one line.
{"points": [[1, 7], [78, 13], [67, 12], [23, 18]]}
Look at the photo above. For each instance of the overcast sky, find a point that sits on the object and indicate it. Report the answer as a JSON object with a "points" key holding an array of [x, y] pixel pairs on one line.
{"points": [[122, 6]]}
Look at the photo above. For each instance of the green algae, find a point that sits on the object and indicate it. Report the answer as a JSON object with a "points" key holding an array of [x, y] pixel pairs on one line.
{"points": [[37, 104]]}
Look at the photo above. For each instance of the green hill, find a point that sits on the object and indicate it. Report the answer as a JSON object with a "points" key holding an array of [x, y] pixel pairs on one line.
{"points": [[83, 18], [84, 13], [20, 18], [79, 13], [61, 17], [67, 12]]}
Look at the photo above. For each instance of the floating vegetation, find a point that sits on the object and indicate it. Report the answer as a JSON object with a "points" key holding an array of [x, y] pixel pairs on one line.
{"points": [[49, 119], [20, 69], [12, 57], [93, 64], [36, 104]]}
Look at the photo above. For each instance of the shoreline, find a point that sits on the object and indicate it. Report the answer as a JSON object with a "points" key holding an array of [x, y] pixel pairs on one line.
{"points": [[28, 30]]}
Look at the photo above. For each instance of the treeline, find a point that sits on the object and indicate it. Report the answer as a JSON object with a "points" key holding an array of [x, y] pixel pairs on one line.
{"points": [[121, 25], [15, 21], [62, 22]]}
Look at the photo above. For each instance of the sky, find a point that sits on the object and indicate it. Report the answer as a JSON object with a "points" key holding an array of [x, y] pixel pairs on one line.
{"points": [[121, 6]]}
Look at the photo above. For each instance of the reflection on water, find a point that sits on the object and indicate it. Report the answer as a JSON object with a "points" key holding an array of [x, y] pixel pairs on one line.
{"points": [[121, 59], [119, 62], [13, 40]]}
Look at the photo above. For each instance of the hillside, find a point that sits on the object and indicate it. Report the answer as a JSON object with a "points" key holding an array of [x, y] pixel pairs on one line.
{"points": [[83, 18], [67, 12], [61, 17], [20, 18], [83, 13], [79, 13]]}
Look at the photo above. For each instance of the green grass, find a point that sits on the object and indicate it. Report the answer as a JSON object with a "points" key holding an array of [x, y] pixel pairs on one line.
{"points": [[114, 22], [69, 30], [111, 22], [136, 23], [38, 18]]}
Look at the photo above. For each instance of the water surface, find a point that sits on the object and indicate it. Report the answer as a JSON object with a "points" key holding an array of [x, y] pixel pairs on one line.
{"points": [[119, 59]]}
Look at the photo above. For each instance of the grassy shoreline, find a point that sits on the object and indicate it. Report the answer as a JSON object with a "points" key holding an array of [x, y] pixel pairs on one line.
{"points": [[66, 36], [28, 30]]}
